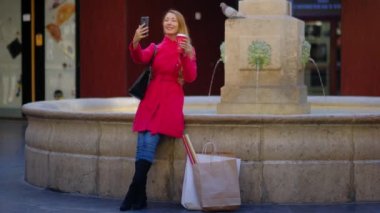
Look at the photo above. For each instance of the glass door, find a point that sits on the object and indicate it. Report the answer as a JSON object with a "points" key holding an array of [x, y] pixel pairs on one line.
{"points": [[60, 63]]}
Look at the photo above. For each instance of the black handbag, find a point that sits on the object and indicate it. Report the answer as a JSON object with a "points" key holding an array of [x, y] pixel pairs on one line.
{"points": [[139, 87]]}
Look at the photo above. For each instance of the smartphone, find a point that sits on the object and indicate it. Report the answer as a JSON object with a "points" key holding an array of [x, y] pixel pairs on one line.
{"points": [[145, 21]]}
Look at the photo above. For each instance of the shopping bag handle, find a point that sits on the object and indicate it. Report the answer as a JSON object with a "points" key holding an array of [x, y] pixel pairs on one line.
{"points": [[212, 144]]}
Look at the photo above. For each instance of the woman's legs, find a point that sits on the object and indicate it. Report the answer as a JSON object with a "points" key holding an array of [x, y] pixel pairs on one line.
{"points": [[146, 146], [145, 152]]}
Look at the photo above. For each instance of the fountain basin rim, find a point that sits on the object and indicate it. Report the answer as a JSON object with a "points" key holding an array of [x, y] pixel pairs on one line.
{"points": [[75, 109]]}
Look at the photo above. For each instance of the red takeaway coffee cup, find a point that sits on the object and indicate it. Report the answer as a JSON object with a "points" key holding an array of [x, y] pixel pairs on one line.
{"points": [[181, 38]]}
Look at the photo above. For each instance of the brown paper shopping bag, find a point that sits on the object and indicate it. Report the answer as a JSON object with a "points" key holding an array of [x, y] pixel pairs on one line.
{"points": [[217, 185]]}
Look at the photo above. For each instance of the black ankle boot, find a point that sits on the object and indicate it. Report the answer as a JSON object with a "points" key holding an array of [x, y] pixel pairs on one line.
{"points": [[129, 199], [141, 199]]}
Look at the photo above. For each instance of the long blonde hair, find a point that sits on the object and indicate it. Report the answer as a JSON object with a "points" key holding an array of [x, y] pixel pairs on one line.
{"points": [[182, 27]]}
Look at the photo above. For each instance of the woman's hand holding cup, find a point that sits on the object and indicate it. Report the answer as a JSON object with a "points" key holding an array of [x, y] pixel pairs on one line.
{"points": [[184, 46]]}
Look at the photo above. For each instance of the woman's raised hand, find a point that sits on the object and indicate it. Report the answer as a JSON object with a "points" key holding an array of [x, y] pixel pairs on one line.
{"points": [[141, 32]]}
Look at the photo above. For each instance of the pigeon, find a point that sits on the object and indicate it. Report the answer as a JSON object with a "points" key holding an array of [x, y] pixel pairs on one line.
{"points": [[230, 12]]}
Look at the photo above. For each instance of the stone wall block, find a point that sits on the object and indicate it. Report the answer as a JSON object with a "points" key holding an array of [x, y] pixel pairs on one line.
{"points": [[159, 183], [250, 179], [312, 142], [75, 136], [117, 139], [178, 176], [264, 95], [165, 149], [223, 136], [367, 180], [264, 7], [307, 182], [36, 166], [38, 133], [115, 175], [73, 173], [367, 142]]}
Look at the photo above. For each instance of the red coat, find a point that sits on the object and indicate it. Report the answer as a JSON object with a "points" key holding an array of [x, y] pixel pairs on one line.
{"points": [[161, 110]]}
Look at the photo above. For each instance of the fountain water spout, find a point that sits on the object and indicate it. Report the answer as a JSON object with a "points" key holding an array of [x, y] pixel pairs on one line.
{"points": [[281, 88]]}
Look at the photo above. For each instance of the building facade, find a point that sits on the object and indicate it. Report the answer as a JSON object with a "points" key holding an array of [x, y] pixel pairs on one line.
{"points": [[53, 49]]}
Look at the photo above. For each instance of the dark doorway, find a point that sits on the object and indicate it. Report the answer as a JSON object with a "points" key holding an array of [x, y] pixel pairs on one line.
{"points": [[33, 57]]}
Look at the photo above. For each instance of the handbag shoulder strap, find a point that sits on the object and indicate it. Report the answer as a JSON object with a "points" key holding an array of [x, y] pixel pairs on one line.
{"points": [[154, 55]]}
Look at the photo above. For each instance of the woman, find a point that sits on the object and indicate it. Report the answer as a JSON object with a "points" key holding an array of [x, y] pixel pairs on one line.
{"points": [[161, 110]]}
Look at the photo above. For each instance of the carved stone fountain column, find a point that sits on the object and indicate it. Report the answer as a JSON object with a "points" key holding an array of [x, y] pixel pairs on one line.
{"points": [[280, 88]]}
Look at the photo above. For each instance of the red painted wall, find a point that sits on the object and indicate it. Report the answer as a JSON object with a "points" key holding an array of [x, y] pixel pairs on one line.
{"points": [[107, 71], [107, 27], [360, 48], [102, 48]]}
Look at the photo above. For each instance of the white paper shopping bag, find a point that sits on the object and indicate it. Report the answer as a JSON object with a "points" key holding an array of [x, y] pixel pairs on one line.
{"points": [[189, 198]]}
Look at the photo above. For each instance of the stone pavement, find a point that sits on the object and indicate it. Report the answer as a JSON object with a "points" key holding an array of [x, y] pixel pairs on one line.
{"points": [[16, 195]]}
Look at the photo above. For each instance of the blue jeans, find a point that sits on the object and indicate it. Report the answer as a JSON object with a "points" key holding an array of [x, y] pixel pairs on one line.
{"points": [[146, 146]]}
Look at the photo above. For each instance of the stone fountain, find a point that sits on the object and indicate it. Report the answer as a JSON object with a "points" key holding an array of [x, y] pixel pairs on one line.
{"points": [[330, 155], [277, 88]]}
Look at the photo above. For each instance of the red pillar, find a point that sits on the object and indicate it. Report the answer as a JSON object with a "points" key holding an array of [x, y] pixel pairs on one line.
{"points": [[103, 48], [360, 47]]}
